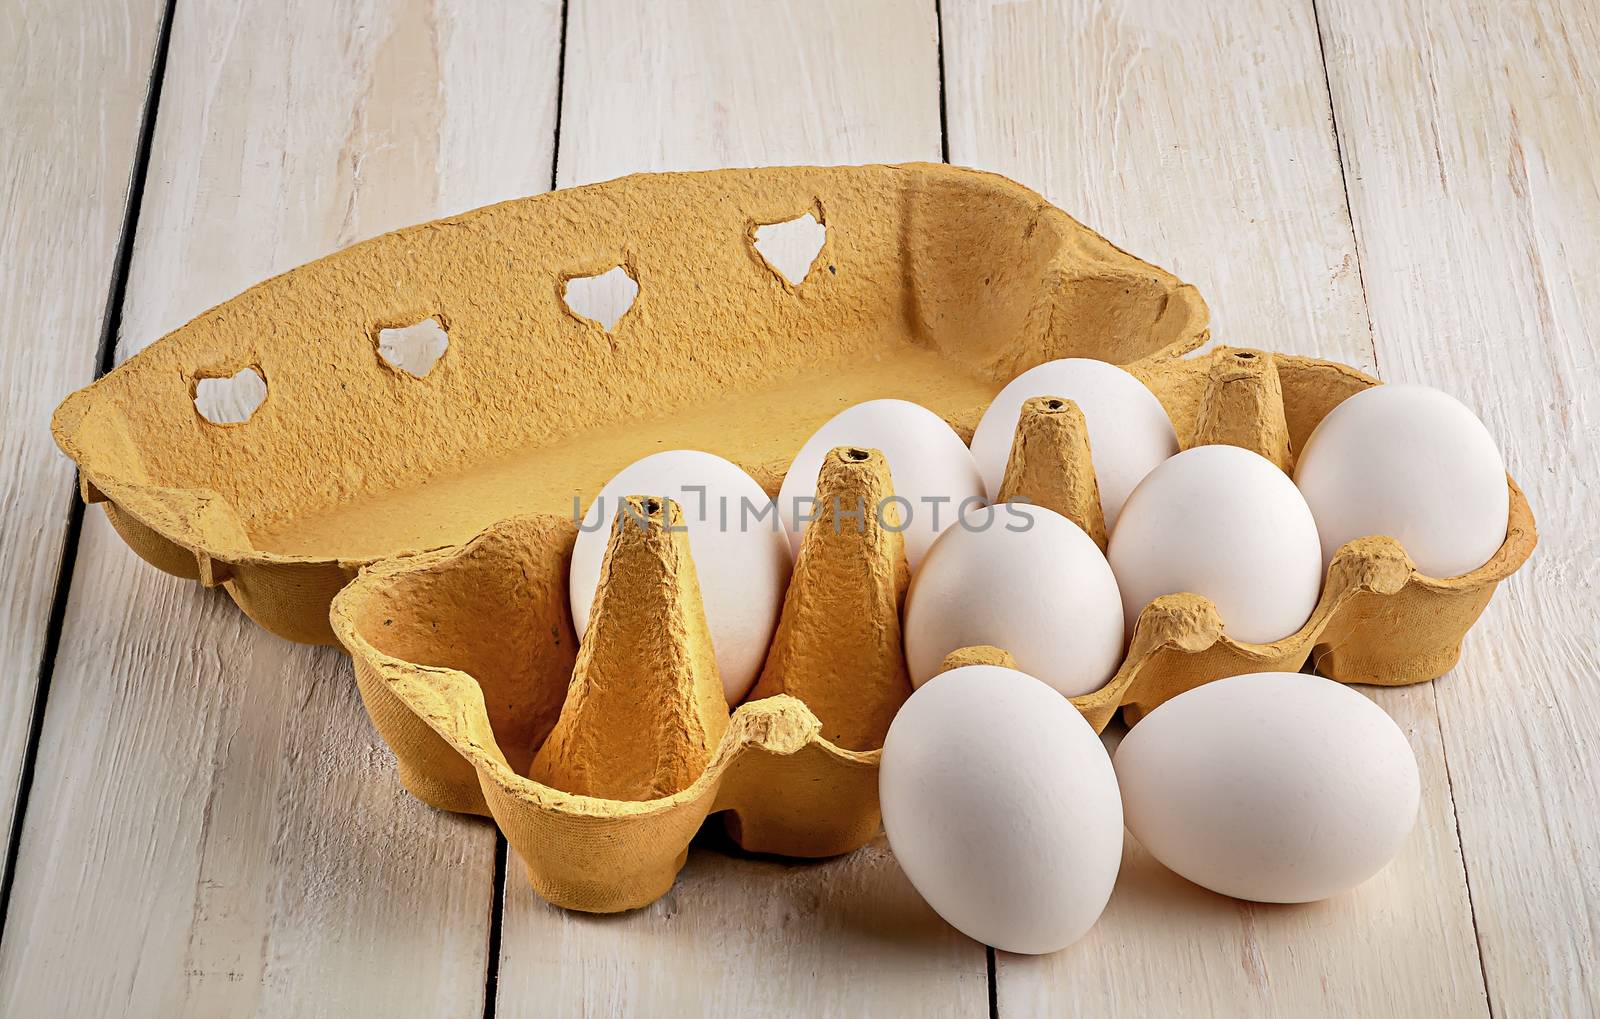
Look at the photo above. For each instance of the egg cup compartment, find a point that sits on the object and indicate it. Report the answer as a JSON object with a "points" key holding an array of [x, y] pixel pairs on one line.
{"points": [[1378, 620], [415, 388], [599, 759]]}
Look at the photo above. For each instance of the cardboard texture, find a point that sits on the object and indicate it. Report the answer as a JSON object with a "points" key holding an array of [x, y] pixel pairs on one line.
{"points": [[1243, 406], [645, 710], [454, 495], [934, 284], [1050, 466], [977, 654]]}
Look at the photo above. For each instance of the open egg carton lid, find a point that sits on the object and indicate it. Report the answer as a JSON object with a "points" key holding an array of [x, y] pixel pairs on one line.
{"points": [[409, 391]]}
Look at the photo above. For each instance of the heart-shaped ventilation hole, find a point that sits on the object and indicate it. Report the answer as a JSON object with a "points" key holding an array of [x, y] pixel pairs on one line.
{"points": [[231, 400], [603, 299], [415, 348], [790, 248]]}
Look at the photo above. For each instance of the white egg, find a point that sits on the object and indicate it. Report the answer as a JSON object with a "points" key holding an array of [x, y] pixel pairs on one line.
{"points": [[1022, 578], [1129, 431], [931, 467], [1414, 464], [1001, 805], [741, 559], [1274, 787], [1225, 523]]}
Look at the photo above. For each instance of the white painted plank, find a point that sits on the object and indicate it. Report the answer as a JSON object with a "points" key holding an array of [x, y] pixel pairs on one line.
{"points": [[1469, 132], [215, 829], [702, 84], [681, 85], [740, 936], [1193, 135], [1199, 136], [72, 103]]}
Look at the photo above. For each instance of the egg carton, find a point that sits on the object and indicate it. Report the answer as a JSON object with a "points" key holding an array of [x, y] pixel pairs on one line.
{"points": [[931, 283], [608, 754]]}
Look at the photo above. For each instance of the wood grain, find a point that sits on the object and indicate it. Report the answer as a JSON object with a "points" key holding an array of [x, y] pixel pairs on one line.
{"points": [[1468, 132], [703, 84], [1199, 136], [215, 829], [73, 103], [679, 85], [741, 936], [1196, 136]]}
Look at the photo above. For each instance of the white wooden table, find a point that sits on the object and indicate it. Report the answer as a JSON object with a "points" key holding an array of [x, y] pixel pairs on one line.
{"points": [[201, 820]]}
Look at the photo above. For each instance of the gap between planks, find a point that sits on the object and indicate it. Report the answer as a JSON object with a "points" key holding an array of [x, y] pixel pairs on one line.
{"points": [[1204, 139], [111, 322], [187, 875]]}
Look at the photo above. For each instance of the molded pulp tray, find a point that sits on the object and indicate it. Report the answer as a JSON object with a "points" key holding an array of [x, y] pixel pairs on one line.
{"points": [[464, 658], [934, 283]]}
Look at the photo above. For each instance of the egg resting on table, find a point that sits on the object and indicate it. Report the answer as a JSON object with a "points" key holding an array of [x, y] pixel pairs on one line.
{"points": [[1001, 805], [1273, 787]]}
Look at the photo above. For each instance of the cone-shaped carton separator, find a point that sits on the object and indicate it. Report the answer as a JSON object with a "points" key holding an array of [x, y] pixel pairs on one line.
{"points": [[1050, 464], [645, 709], [838, 646], [977, 654], [1243, 405]]}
